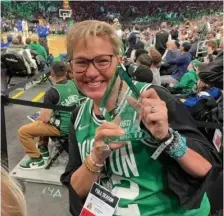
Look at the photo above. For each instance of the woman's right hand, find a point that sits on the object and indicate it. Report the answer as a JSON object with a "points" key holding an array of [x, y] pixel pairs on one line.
{"points": [[101, 150]]}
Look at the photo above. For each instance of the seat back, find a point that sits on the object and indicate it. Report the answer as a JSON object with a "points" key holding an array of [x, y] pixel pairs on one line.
{"points": [[15, 64]]}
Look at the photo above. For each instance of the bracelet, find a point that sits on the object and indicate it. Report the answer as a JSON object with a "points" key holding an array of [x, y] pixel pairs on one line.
{"points": [[93, 162], [164, 145], [89, 167], [178, 148]]}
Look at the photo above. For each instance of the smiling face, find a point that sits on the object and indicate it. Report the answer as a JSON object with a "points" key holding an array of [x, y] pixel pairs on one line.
{"points": [[93, 82]]}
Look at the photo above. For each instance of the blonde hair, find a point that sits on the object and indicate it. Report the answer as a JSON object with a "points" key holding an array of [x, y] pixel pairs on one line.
{"points": [[34, 38], [83, 30], [12, 199]]}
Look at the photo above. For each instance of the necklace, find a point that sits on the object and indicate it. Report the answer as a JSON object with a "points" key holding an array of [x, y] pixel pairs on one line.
{"points": [[113, 112]]}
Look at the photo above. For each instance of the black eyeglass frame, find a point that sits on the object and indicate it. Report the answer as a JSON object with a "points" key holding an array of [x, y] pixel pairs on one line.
{"points": [[91, 61]]}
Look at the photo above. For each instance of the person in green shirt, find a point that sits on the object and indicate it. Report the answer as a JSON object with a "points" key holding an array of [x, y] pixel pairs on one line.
{"points": [[50, 123], [128, 169], [40, 50], [187, 81]]}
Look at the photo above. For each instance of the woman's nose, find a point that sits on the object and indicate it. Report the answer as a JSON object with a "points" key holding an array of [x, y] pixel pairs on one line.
{"points": [[92, 71]]}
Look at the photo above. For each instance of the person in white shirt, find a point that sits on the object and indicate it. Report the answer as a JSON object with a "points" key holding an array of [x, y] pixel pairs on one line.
{"points": [[25, 28]]}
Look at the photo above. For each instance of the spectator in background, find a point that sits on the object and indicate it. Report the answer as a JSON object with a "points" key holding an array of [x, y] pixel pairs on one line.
{"points": [[19, 25], [156, 59], [174, 33], [135, 33], [203, 91], [138, 46], [37, 47], [133, 39], [28, 41], [20, 38], [194, 45], [139, 52], [211, 51], [8, 42], [118, 28], [181, 62], [16, 47], [183, 36], [25, 28], [188, 80], [171, 53], [43, 31], [212, 36], [161, 38], [63, 93], [204, 28], [142, 73], [144, 59], [147, 40]]}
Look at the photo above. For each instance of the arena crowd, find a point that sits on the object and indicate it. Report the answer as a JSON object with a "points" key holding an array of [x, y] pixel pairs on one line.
{"points": [[173, 56]]}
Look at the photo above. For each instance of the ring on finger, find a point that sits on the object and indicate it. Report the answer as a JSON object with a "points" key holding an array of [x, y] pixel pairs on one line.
{"points": [[105, 147], [153, 110]]}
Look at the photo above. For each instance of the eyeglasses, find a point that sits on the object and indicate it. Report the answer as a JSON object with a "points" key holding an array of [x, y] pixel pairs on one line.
{"points": [[102, 62]]}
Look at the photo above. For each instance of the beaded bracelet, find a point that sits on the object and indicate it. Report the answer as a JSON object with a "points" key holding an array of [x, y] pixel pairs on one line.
{"points": [[88, 167], [93, 162], [178, 147]]}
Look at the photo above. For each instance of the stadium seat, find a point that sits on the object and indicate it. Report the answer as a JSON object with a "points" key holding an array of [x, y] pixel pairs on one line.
{"points": [[15, 65], [59, 145], [201, 49]]}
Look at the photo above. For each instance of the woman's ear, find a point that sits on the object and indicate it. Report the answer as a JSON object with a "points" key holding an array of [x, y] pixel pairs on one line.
{"points": [[120, 59]]}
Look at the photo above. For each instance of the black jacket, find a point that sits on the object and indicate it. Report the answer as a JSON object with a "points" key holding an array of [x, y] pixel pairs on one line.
{"points": [[161, 39]]}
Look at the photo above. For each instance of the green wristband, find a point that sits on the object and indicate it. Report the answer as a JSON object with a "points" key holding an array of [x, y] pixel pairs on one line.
{"points": [[179, 147]]}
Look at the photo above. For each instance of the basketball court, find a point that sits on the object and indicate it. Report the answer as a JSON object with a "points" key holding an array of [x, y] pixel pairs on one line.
{"points": [[57, 44]]}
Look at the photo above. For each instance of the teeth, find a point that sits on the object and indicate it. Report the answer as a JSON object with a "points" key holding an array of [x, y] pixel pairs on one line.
{"points": [[94, 83]]}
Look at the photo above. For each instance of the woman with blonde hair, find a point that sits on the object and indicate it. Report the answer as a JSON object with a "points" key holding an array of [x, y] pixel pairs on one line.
{"points": [[145, 184], [12, 199]]}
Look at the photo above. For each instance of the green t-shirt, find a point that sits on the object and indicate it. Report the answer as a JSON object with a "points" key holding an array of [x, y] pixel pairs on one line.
{"points": [[133, 176], [68, 96]]}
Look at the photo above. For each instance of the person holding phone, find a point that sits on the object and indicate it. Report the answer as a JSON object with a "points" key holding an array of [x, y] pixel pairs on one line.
{"points": [[145, 186]]}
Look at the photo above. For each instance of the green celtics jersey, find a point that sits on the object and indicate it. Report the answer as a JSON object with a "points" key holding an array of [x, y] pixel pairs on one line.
{"points": [[68, 96], [131, 173]]}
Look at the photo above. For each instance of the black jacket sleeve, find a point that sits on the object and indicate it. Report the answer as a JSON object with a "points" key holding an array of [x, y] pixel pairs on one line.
{"points": [[74, 163], [187, 189], [51, 96]]}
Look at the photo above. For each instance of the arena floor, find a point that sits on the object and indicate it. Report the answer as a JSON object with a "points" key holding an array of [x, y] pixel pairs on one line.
{"points": [[57, 44]]}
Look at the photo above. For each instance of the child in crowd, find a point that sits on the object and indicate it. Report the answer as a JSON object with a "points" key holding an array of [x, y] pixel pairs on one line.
{"points": [[203, 91], [189, 79]]}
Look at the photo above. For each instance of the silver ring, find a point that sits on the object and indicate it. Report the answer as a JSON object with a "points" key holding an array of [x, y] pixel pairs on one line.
{"points": [[106, 147], [153, 110]]}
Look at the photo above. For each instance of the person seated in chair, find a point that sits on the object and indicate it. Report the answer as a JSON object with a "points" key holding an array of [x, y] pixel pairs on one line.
{"points": [[16, 47], [172, 52], [188, 80], [203, 91], [50, 122], [6, 43], [181, 62], [35, 45]]}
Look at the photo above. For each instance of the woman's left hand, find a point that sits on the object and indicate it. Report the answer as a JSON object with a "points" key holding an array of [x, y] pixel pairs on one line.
{"points": [[153, 113]]}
